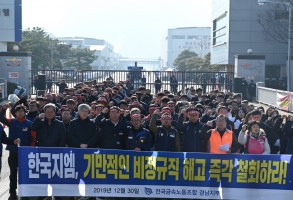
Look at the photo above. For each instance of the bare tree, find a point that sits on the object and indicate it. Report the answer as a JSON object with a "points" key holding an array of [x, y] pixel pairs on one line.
{"points": [[275, 21]]}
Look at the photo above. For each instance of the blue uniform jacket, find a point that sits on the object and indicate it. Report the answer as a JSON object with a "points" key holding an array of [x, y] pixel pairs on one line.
{"points": [[21, 130]]}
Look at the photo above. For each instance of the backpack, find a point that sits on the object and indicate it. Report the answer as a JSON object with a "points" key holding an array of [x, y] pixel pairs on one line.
{"points": [[255, 146]]}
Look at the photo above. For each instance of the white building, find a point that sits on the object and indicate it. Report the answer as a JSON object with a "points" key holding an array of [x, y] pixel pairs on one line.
{"points": [[107, 59], [196, 39]]}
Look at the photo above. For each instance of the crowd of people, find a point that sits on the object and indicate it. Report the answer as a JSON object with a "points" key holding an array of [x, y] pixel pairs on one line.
{"points": [[113, 115]]}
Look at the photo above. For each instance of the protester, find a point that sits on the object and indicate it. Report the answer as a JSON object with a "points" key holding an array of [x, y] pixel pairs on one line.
{"points": [[220, 140], [137, 137], [48, 131], [125, 117], [82, 131], [191, 130], [166, 137], [254, 139], [19, 132], [273, 138], [112, 132], [288, 130]]}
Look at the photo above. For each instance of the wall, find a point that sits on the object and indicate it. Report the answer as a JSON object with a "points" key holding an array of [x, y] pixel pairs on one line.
{"points": [[251, 67], [15, 67], [244, 32], [10, 20]]}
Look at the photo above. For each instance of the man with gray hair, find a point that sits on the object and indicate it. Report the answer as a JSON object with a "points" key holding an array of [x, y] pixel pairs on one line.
{"points": [[82, 131]]}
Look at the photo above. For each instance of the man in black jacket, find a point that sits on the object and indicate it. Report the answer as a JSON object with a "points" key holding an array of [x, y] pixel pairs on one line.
{"points": [[112, 131], [190, 130], [82, 131], [48, 131]]}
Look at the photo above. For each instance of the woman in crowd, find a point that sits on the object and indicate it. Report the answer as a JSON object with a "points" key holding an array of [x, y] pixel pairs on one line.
{"points": [[254, 139]]}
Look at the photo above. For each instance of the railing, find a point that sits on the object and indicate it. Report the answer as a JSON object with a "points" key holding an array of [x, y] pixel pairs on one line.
{"points": [[206, 80], [276, 98], [3, 89]]}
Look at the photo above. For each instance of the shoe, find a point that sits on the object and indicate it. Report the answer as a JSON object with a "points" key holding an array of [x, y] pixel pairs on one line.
{"points": [[12, 197]]}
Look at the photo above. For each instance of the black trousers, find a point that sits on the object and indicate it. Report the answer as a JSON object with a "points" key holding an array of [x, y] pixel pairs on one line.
{"points": [[13, 165]]}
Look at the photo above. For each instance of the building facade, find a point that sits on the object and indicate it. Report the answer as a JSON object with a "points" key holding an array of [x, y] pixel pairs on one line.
{"points": [[10, 22], [236, 31], [196, 39], [107, 59]]}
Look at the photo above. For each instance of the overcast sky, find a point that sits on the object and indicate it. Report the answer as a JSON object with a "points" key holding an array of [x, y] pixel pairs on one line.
{"points": [[134, 27]]}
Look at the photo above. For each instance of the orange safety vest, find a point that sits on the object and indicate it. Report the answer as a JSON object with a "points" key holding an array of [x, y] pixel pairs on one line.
{"points": [[216, 141]]}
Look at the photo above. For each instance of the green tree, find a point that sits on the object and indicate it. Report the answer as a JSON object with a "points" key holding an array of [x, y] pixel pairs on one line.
{"points": [[38, 43], [183, 62], [48, 53], [188, 61], [80, 58]]}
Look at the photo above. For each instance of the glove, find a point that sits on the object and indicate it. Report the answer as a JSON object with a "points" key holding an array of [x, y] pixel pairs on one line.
{"points": [[224, 147]]}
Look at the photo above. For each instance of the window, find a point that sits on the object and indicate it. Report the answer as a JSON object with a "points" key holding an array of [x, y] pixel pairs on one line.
{"points": [[219, 30], [281, 15]]}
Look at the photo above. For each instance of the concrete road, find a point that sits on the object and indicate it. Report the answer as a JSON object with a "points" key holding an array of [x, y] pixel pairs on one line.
{"points": [[4, 182]]}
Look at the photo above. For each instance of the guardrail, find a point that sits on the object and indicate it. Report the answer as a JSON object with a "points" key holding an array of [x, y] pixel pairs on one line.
{"points": [[277, 98]]}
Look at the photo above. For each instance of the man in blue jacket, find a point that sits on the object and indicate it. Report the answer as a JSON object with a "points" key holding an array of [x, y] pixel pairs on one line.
{"points": [[19, 130]]}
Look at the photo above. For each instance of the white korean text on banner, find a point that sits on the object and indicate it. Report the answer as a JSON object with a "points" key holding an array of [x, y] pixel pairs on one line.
{"points": [[117, 173]]}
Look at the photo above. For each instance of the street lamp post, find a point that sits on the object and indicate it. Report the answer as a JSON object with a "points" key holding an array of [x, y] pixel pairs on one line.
{"points": [[288, 4]]}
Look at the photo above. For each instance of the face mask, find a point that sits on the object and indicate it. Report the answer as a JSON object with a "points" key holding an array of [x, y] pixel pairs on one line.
{"points": [[184, 101]]}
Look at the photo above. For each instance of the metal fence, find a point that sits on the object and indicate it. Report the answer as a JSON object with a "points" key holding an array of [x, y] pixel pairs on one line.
{"points": [[277, 98], [207, 80]]}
